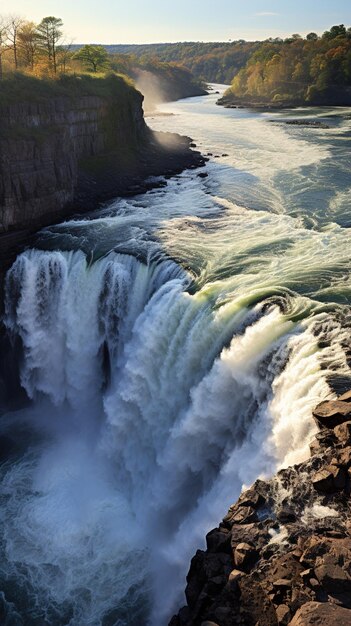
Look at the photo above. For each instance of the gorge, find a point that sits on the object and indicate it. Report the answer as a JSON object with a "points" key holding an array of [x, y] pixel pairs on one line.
{"points": [[172, 346]]}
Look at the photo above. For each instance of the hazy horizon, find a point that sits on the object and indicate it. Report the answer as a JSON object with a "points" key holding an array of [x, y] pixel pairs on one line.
{"points": [[171, 22]]}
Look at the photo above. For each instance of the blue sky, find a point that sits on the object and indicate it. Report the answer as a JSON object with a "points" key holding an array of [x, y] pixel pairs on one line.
{"points": [[145, 21]]}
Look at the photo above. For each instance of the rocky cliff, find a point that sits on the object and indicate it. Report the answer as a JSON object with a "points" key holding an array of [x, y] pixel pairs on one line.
{"points": [[43, 144], [67, 144], [282, 554]]}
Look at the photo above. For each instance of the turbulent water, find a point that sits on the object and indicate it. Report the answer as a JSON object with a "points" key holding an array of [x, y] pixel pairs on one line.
{"points": [[173, 347]]}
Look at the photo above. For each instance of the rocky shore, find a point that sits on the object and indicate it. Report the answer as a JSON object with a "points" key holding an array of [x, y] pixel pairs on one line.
{"points": [[282, 554]]}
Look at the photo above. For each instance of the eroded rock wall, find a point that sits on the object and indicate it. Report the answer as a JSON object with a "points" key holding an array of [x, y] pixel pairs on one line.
{"points": [[42, 145]]}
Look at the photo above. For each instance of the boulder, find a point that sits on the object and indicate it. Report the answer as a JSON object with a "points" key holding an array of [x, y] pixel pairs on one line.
{"points": [[321, 614], [283, 614], [218, 540], [245, 555], [343, 433], [331, 413], [346, 397], [323, 440], [235, 576], [328, 479], [242, 515]]}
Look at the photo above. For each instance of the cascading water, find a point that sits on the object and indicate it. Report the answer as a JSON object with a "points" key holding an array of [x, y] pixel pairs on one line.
{"points": [[157, 391]]}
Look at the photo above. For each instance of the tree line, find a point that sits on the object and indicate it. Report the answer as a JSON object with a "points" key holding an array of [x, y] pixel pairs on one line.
{"points": [[42, 49], [311, 69], [24, 44]]}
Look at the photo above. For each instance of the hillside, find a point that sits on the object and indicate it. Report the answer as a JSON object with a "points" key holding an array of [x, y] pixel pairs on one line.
{"points": [[208, 61], [315, 70]]}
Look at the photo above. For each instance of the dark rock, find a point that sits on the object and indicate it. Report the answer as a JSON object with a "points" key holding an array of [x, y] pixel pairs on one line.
{"points": [[202, 175], [333, 569], [346, 397], [283, 615], [255, 605], [329, 479], [219, 541], [310, 123], [243, 515], [234, 577], [331, 413], [321, 614], [343, 433], [291, 547], [286, 515], [282, 583], [245, 555], [323, 440]]}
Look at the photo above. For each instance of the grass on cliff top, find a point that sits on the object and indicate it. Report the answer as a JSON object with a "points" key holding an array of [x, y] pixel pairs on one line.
{"points": [[21, 88]]}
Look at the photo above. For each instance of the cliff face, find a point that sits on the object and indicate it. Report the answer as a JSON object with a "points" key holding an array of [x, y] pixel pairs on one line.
{"points": [[43, 144], [64, 147], [282, 554]]}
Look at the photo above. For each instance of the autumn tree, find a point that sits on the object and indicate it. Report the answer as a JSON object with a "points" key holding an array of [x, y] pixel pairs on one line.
{"points": [[49, 33], [4, 41], [28, 44], [94, 58]]}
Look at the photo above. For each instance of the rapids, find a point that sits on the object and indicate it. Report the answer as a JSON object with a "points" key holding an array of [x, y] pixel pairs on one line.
{"points": [[173, 346]]}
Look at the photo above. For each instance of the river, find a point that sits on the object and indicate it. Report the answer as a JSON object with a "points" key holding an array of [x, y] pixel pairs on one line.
{"points": [[174, 346]]}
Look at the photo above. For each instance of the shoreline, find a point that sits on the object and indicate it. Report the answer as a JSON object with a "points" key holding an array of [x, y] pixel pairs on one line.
{"points": [[275, 106]]}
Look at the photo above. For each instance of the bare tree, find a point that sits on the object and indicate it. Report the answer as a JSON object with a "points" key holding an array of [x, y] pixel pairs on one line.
{"points": [[64, 55], [4, 41], [15, 23]]}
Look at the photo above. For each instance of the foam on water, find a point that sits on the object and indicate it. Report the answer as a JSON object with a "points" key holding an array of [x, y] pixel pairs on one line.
{"points": [[136, 469]]}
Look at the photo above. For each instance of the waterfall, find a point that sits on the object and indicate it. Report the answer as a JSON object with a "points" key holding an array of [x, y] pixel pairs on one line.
{"points": [[151, 407]]}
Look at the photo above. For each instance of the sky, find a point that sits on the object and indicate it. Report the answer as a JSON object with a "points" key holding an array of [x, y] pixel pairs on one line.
{"points": [[151, 21]]}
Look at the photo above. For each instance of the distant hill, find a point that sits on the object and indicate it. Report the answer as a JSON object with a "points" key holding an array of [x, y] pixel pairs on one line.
{"points": [[215, 62], [296, 71]]}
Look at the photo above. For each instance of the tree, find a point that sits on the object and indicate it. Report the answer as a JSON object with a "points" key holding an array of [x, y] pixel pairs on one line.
{"points": [[335, 31], [28, 43], [64, 56], [14, 27], [4, 42], [49, 34], [93, 57], [312, 37]]}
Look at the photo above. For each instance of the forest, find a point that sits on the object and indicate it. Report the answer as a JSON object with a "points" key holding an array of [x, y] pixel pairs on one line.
{"points": [[315, 69], [215, 62]]}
